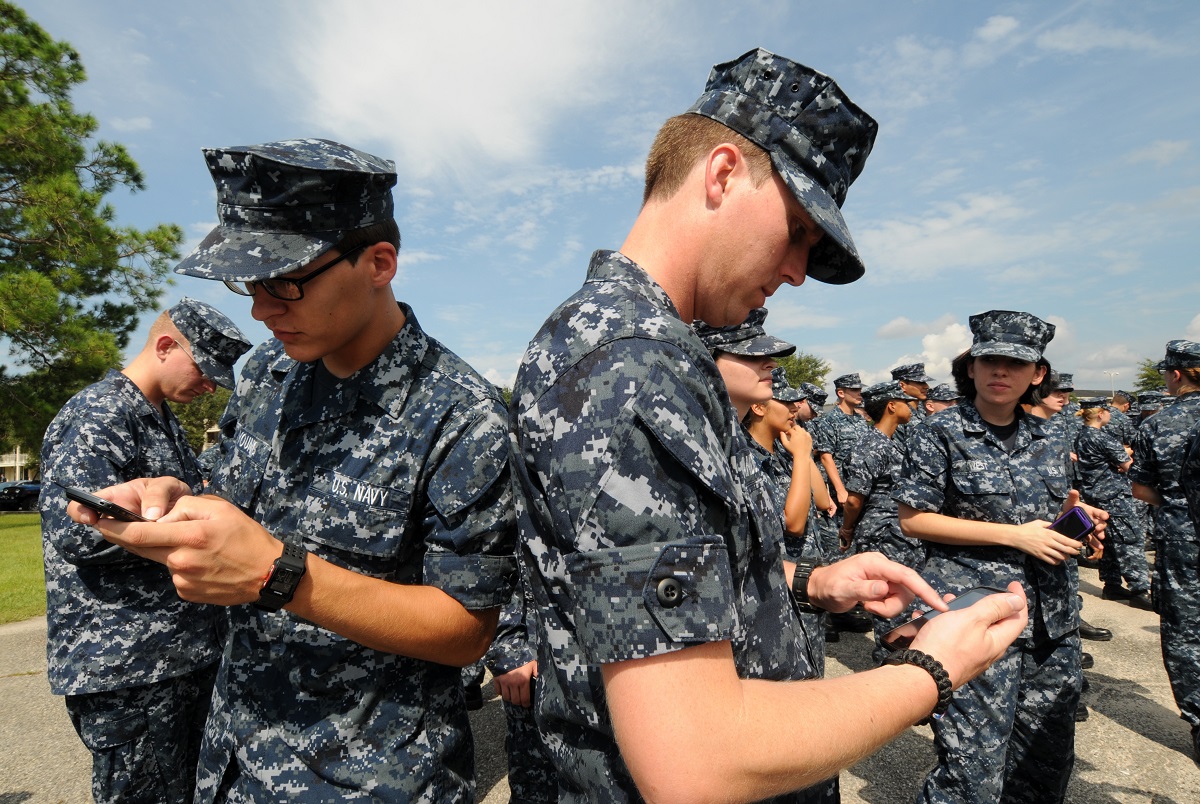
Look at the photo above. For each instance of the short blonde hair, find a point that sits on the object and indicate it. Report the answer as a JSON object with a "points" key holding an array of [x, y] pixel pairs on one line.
{"points": [[684, 140]]}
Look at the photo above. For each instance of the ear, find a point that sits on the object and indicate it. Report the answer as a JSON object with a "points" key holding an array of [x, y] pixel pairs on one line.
{"points": [[760, 409], [163, 345], [1039, 375], [381, 260], [719, 167]]}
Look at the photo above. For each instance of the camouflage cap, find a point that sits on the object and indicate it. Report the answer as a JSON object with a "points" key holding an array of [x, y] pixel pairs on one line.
{"points": [[1010, 334], [848, 381], [817, 138], [282, 204], [1093, 402], [1065, 381], [886, 391], [781, 389], [1180, 355], [747, 338], [942, 393], [815, 394], [216, 342], [1150, 400], [912, 372]]}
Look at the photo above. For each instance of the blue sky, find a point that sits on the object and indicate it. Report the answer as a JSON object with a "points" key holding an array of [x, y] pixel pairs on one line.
{"points": [[1032, 156]]}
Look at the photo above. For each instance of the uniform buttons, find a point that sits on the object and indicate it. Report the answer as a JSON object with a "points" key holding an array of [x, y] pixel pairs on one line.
{"points": [[670, 593]]}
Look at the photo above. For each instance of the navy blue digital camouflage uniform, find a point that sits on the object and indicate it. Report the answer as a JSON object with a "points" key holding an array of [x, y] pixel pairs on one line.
{"points": [[646, 522], [135, 662], [1189, 476], [399, 473], [1009, 734], [1158, 453], [1098, 456], [872, 472], [531, 775]]}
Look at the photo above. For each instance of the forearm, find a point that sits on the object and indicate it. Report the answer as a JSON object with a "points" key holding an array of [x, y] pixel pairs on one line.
{"points": [[418, 621], [820, 492], [1147, 494], [799, 496], [745, 740], [835, 478], [943, 529]]}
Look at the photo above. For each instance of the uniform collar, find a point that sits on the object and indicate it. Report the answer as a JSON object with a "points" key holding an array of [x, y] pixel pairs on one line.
{"points": [[613, 266]]}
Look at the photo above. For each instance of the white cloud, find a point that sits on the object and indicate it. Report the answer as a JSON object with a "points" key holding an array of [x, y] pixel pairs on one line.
{"points": [[452, 90], [1081, 37], [996, 28], [1160, 152], [1193, 329], [786, 316], [940, 347], [903, 327]]}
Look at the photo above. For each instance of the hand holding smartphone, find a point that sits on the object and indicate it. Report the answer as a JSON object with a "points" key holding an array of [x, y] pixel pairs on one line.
{"points": [[902, 637], [101, 506], [1076, 524]]}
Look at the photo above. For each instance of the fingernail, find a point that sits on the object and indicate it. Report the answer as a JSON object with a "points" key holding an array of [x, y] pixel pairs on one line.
{"points": [[153, 513]]}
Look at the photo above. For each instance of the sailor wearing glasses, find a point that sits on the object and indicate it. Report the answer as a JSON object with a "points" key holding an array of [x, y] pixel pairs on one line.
{"points": [[372, 465]]}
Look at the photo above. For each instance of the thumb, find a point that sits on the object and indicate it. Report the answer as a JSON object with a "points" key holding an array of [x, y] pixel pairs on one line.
{"points": [[1072, 499]]}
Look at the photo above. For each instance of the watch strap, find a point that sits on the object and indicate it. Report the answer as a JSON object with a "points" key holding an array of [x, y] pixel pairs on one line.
{"points": [[804, 570], [279, 586]]}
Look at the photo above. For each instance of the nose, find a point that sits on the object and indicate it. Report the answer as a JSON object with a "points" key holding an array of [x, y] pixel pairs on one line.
{"points": [[209, 386], [795, 265], [770, 363], [263, 305]]}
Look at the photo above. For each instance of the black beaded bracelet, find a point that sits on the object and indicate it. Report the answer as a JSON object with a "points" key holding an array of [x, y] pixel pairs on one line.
{"points": [[934, 668]]}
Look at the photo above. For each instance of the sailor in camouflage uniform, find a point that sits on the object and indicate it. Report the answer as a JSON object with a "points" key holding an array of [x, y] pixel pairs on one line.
{"points": [[916, 383], [940, 397], [871, 521], [980, 484], [646, 531], [380, 458], [135, 662], [1158, 457], [1103, 463], [838, 431]]}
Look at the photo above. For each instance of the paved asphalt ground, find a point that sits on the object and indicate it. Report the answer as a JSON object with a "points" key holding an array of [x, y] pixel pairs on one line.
{"points": [[1132, 748]]}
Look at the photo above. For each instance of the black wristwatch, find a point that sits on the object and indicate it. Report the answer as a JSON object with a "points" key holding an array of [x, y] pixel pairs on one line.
{"points": [[804, 570], [280, 584]]}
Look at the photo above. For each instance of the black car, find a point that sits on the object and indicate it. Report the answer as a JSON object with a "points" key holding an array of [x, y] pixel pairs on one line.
{"points": [[20, 496]]}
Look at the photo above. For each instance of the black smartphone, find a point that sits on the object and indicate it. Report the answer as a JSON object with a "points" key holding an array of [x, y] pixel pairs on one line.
{"points": [[902, 636], [103, 507], [1076, 524]]}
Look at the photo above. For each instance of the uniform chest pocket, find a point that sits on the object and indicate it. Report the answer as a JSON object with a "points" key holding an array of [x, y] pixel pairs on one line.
{"points": [[978, 477], [1057, 482], [362, 521]]}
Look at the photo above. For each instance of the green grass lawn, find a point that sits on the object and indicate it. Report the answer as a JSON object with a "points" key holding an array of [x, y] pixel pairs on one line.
{"points": [[22, 584]]}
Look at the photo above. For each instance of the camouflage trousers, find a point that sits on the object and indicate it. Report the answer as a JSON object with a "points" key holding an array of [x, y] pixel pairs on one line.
{"points": [[1009, 735], [1124, 549], [531, 774], [1177, 601], [910, 553], [145, 741]]}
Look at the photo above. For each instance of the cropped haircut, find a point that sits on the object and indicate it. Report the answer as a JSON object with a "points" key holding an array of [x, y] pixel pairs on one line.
{"points": [[876, 408], [686, 139], [383, 232]]}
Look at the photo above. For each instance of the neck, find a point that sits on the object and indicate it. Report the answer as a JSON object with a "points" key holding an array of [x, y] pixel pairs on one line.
{"points": [[887, 425], [998, 415], [762, 435], [668, 245], [141, 372], [363, 350], [845, 407]]}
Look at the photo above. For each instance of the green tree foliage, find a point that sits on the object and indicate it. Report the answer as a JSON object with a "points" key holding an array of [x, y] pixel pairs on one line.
{"points": [[803, 367], [1149, 378], [72, 282], [200, 414]]}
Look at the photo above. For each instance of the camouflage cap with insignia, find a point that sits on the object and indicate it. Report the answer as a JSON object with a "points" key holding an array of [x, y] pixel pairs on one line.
{"points": [[781, 389], [1181, 354], [747, 338], [942, 393], [912, 372], [216, 343], [886, 391], [818, 141], [848, 381], [1010, 334], [815, 394], [282, 204]]}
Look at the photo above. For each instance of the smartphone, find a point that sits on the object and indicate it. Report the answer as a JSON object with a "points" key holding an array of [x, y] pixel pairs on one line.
{"points": [[104, 507], [1076, 524], [901, 637]]}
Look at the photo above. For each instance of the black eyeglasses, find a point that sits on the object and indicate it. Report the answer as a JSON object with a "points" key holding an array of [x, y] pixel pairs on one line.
{"points": [[288, 289]]}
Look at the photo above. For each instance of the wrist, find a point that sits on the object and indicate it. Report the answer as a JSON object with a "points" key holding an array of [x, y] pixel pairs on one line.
{"points": [[280, 582], [936, 671], [805, 567]]}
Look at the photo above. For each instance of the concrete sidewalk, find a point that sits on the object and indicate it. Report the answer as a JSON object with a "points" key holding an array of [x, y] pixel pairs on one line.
{"points": [[1133, 748]]}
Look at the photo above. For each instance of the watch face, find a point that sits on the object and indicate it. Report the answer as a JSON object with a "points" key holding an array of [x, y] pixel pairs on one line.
{"points": [[283, 579]]}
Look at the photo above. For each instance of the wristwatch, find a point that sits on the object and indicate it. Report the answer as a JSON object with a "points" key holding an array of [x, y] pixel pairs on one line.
{"points": [[804, 569], [284, 576]]}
